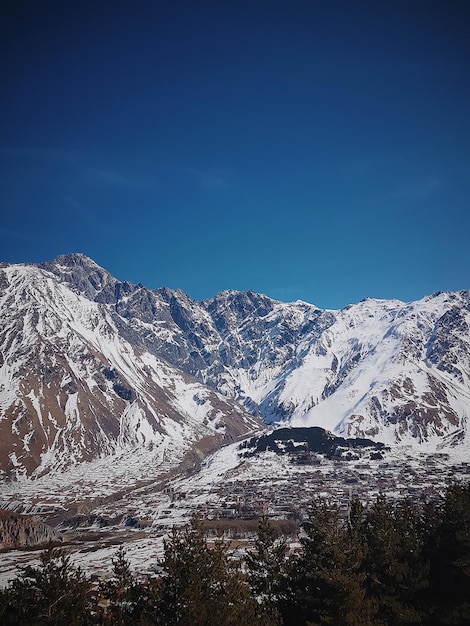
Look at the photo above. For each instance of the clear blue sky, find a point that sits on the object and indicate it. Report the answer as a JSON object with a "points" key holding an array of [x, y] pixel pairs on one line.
{"points": [[305, 149]]}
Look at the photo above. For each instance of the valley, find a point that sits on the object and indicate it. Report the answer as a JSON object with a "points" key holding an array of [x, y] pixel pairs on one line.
{"points": [[229, 490]]}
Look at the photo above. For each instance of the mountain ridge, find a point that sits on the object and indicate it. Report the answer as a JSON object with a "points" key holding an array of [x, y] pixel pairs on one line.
{"points": [[76, 383], [393, 371]]}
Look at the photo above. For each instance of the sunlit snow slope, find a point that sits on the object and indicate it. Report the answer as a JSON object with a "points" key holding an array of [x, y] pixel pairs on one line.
{"points": [[397, 372], [73, 387], [90, 365]]}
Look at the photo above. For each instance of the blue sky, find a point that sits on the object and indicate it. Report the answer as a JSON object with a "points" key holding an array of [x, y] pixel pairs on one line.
{"points": [[306, 149]]}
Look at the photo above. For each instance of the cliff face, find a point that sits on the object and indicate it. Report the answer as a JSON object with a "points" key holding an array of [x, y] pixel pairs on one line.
{"points": [[21, 531]]}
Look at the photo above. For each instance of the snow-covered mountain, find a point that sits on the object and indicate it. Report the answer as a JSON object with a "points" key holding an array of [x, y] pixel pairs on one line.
{"points": [[77, 383], [90, 365]]}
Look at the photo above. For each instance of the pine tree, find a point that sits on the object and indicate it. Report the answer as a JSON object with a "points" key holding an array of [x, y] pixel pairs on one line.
{"points": [[325, 584], [355, 530], [448, 546], [55, 593], [201, 586], [128, 601], [414, 564], [397, 570], [266, 567]]}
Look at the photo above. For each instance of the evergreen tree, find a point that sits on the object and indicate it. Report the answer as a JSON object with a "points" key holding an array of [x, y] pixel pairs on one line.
{"points": [[355, 530], [448, 545], [200, 586], [55, 593], [266, 567], [128, 601], [325, 584], [412, 556], [396, 568]]}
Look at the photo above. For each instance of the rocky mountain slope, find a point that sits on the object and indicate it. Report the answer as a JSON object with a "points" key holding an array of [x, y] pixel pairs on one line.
{"points": [[90, 365], [22, 531], [76, 383]]}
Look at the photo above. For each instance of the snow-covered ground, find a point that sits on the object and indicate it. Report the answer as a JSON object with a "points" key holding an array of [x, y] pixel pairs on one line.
{"points": [[226, 485]]}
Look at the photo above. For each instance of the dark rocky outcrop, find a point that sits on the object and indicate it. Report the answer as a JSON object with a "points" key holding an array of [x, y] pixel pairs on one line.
{"points": [[22, 531]]}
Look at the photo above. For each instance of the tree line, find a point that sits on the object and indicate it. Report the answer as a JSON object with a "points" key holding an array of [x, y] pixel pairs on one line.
{"points": [[398, 562]]}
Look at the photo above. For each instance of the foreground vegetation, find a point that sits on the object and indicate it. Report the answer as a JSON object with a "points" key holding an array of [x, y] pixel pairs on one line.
{"points": [[396, 563]]}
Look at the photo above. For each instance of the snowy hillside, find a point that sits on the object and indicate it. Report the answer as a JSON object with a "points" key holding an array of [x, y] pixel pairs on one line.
{"points": [[91, 366], [74, 387], [396, 372]]}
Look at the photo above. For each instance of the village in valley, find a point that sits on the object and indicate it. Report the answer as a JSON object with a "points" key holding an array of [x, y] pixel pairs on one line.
{"points": [[284, 486], [230, 490]]}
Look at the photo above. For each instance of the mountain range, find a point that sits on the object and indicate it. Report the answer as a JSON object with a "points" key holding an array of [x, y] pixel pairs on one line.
{"points": [[91, 366]]}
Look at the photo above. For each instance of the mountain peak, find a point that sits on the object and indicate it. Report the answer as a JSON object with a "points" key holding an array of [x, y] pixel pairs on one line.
{"points": [[74, 259], [84, 275]]}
